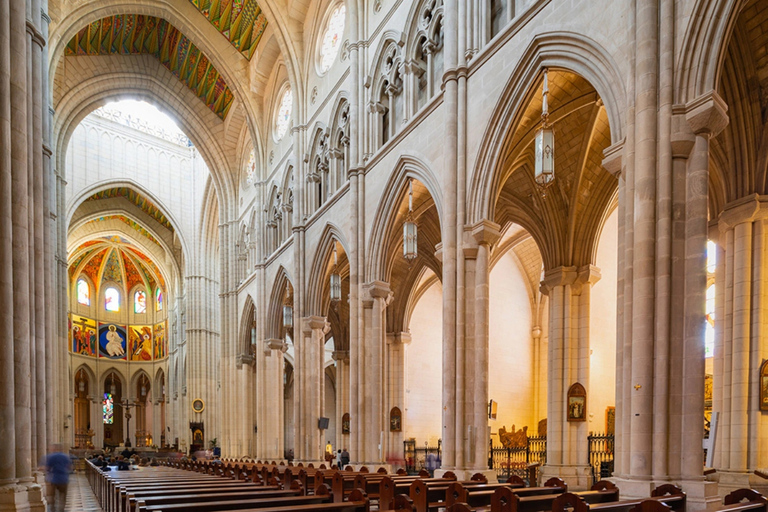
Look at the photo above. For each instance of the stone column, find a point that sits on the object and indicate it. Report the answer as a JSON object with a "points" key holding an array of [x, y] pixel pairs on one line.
{"points": [[313, 385], [395, 392], [272, 428], [342, 395], [486, 234], [378, 298], [7, 390], [568, 363]]}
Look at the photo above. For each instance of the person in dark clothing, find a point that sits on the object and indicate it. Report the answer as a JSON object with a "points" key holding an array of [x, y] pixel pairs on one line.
{"points": [[58, 466], [344, 457]]}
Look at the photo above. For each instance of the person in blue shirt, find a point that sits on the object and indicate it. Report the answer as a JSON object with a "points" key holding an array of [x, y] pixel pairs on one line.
{"points": [[58, 467]]}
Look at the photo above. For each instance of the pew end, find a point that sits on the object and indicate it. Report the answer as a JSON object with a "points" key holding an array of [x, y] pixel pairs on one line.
{"points": [[571, 501], [404, 503], [741, 495], [651, 506]]}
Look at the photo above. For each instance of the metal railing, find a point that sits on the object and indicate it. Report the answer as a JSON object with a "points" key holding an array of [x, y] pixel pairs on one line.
{"points": [[418, 458], [518, 460], [601, 451]]}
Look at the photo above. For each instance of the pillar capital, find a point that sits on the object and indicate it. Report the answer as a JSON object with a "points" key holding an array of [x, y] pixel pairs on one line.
{"points": [[398, 338], [379, 290], [589, 274], [244, 359], [707, 114], [613, 157], [558, 276], [747, 209], [486, 232], [341, 355], [311, 323], [276, 344], [682, 136]]}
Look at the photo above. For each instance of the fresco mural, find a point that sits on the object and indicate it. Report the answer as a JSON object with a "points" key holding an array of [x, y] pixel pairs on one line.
{"points": [[140, 343], [112, 341], [161, 345], [82, 335]]}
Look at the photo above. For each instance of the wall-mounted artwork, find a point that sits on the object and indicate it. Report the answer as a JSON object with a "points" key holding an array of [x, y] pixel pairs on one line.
{"points": [[140, 343], [345, 423], [112, 341], [160, 343], [610, 420], [577, 403], [395, 420], [83, 336]]}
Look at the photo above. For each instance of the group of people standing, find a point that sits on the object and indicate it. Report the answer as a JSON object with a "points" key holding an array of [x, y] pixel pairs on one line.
{"points": [[339, 459]]}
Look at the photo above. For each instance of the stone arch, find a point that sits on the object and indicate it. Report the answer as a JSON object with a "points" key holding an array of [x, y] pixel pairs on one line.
{"points": [[413, 298], [94, 392], [247, 319], [566, 50], [407, 167], [94, 92], [77, 202], [274, 325], [323, 254], [104, 377], [135, 376], [159, 382], [704, 47], [180, 13]]}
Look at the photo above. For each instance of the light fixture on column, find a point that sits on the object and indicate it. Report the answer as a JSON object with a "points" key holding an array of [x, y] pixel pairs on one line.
{"points": [[545, 143], [335, 279], [288, 309], [410, 232]]}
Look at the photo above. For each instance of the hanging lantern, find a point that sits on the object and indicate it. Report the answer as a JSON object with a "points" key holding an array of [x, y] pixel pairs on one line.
{"points": [[288, 309], [545, 143], [112, 387], [410, 231], [335, 279]]}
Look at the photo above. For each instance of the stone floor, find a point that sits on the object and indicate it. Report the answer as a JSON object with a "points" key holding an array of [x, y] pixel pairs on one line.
{"points": [[80, 497]]}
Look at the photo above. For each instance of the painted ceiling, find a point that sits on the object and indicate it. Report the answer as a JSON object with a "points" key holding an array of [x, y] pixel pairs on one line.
{"points": [[114, 259], [130, 223], [134, 34], [142, 202], [241, 21]]}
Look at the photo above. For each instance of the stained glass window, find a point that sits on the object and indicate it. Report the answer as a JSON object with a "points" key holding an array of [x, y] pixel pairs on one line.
{"points": [[140, 302], [284, 114], [112, 300], [108, 408], [709, 338], [332, 38], [83, 292], [159, 299], [250, 169]]}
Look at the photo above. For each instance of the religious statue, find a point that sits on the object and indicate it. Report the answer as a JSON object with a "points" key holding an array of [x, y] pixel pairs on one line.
{"points": [[513, 438]]}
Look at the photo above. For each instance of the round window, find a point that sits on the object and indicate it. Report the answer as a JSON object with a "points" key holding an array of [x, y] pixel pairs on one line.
{"points": [[331, 41]]}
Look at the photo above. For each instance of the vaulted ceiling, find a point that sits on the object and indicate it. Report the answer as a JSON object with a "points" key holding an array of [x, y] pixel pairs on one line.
{"points": [[136, 34], [241, 21]]}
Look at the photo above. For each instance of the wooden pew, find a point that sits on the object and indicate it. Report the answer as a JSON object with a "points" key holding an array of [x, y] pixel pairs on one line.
{"points": [[253, 503], [744, 500], [205, 495], [390, 488], [480, 495]]}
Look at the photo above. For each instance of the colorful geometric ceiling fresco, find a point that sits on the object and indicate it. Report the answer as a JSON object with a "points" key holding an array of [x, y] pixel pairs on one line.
{"points": [[131, 223], [241, 21], [113, 259], [134, 34], [142, 202]]}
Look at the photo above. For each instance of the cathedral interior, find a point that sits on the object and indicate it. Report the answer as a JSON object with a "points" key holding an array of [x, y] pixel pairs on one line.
{"points": [[501, 234]]}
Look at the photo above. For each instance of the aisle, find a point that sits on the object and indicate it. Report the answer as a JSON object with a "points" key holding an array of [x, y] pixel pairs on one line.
{"points": [[80, 497]]}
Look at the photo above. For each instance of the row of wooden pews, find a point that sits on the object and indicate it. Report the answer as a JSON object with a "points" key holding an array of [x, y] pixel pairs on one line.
{"points": [[205, 486]]}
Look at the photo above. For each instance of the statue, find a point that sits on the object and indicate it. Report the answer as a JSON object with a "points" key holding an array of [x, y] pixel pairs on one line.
{"points": [[513, 438]]}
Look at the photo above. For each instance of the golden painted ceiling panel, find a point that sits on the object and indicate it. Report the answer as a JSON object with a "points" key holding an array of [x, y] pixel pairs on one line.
{"points": [[142, 202], [134, 34], [241, 21]]}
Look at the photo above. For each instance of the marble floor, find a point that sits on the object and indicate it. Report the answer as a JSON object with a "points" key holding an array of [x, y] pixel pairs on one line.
{"points": [[80, 497]]}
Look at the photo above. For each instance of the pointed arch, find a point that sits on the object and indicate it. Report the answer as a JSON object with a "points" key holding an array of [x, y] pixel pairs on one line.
{"points": [[94, 391], [407, 167], [705, 45], [323, 253], [274, 327], [247, 322], [566, 50]]}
